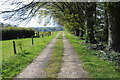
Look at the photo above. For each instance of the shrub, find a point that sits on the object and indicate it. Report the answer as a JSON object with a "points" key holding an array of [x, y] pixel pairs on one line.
{"points": [[15, 32]]}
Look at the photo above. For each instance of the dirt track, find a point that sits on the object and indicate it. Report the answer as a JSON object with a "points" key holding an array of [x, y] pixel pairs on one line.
{"points": [[71, 66], [34, 70]]}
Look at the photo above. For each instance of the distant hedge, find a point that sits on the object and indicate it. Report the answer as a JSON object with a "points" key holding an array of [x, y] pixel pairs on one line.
{"points": [[15, 32]]}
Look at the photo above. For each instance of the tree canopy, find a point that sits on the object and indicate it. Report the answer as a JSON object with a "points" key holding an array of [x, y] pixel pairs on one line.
{"points": [[93, 22]]}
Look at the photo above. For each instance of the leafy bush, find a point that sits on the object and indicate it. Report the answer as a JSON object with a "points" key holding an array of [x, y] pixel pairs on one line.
{"points": [[15, 32]]}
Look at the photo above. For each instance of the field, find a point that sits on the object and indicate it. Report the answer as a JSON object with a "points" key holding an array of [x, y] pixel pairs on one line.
{"points": [[13, 64], [7, 45]]}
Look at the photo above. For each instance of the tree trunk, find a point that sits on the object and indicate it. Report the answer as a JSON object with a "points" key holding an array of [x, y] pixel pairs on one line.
{"points": [[82, 32], [114, 26], [90, 21], [106, 24], [77, 32]]}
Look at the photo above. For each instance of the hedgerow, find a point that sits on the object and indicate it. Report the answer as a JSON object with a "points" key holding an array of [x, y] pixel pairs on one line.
{"points": [[15, 32]]}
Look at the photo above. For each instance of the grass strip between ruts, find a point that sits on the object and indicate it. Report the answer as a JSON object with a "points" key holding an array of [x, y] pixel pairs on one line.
{"points": [[52, 68]]}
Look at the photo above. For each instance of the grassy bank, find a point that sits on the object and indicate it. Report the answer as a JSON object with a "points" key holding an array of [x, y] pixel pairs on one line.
{"points": [[54, 64], [96, 67], [14, 64]]}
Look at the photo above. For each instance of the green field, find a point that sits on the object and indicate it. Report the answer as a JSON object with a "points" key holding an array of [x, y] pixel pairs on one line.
{"points": [[7, 45], [13, 64], [95, 66]]}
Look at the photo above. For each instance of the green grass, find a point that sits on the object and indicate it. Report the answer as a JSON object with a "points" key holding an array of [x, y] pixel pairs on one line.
{"points": [[54, 64], [15, 63], [7, 46], [96, 67], [0, 60]]}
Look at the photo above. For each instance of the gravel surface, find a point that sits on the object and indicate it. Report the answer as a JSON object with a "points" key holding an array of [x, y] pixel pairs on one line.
{"points": [[71, 66], [35, 69]]}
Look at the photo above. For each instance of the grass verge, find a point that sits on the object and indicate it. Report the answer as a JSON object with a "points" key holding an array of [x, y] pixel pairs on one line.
{"points": [[13, 65], [54, 64], [96, 67]]}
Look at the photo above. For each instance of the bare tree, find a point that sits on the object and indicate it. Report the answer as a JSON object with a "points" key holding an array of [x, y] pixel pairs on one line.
{"points": [[25, 12]]}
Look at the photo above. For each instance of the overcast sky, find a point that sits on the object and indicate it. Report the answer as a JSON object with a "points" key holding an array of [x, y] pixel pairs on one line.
{"points": [[5, 5]]}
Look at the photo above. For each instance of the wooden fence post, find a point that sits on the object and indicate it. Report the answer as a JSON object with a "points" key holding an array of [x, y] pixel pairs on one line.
{"points": [[14, 47], [49, 33], [38, 34], [42, 36], [32, 41]]}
